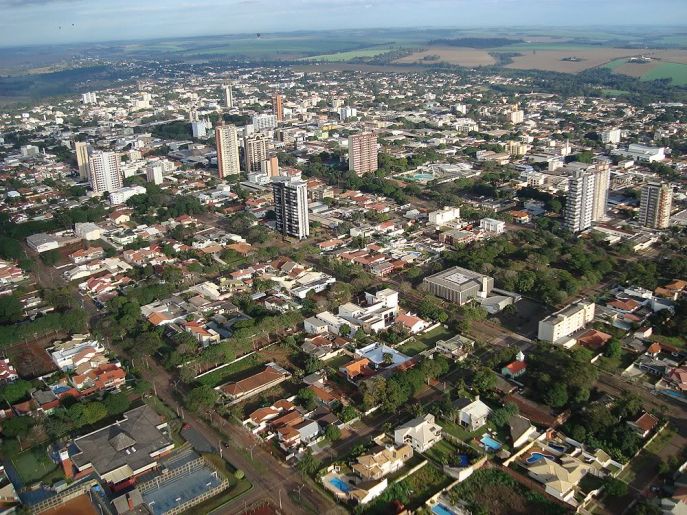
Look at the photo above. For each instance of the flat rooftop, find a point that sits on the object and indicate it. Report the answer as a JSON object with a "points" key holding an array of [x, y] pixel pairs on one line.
{"points": [[455, 277]]}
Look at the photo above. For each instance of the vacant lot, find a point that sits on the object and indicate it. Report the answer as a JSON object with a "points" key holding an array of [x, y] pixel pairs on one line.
{"points": [[31, 360], [468, 57], [35, 465], [81, 505]]}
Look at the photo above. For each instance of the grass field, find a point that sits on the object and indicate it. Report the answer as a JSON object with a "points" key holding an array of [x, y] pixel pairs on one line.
{"points": [[413, 347], [676, 72], [347, 56], [35, 465], [433, 336]]}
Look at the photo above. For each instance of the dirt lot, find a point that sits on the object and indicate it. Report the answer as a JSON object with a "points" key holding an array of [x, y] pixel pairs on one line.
{"points": [[78, 506], [31, 360], [452, 55]]}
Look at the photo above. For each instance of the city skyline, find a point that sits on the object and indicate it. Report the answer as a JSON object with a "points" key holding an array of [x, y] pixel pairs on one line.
{"points": [[38, 22]]}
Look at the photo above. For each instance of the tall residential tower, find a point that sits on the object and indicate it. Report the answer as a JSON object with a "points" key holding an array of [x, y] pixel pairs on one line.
{"points": [[655, 205], [104, 173], [291, 206], [228, 162], [362, 153]]}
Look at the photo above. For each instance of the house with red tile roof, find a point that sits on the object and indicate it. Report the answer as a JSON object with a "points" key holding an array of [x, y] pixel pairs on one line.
{"points": [[268, 378], [594, 340], [7, 371], [644, 425], [411, 323]]}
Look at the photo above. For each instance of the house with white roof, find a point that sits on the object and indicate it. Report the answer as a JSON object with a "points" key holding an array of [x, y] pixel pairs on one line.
{"points": [[472, 414], [421, 433]]}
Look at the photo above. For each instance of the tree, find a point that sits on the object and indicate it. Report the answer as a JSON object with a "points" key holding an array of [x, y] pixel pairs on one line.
{"points": [[202, 398], [615, 487], [51, 257], [613, 349], [502, 415], [16, 426], [309, 465], [556, 396], [388, 358], [93, 412], [333, 433], [15, 391], [484, 379], [116, 403], [10, 309], [306, 398], [345, 330]]}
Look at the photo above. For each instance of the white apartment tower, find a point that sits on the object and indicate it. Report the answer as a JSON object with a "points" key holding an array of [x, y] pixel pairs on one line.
{"points": [[228, 96], [104, 173], [89, 98], [291, 206], [655, 205], [255, 151], [580, 201], [362, 153], [602, 183], [154, 173], [611, 136], [228, 161], [82, 149]]}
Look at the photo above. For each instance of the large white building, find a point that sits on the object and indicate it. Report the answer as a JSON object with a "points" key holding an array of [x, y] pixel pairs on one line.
{"points": [[642, 153], [200, 128], [655, 205], [121, 195], [492, 225], [611, 136], [291, 206], [228, 161], [602, 183], [89, 98], [154, 173], [557, 327], [347, 112], [444, 216], [264, 121], [104, 173], [587, 197]]}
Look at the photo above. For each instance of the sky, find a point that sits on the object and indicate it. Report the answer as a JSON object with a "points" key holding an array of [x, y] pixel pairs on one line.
{"points": [[28, 22]]}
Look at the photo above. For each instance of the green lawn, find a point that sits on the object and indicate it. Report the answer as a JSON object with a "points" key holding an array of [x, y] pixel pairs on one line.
{"points": [[436, 334], [413, 347], [460, 432], [339, 361], [227, 373], [614, 92], [442, 452], [676, 72], [35, 465], [675, 341], [616, 63]]}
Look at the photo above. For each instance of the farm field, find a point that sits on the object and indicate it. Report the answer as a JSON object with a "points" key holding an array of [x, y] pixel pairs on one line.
{"points": [[552, 60], [347, 56], [654, 70], [468, 57], [677, 72]]}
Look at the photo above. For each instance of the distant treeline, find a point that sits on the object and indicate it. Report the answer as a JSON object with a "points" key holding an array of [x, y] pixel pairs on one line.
{"points": [[476, 42]]}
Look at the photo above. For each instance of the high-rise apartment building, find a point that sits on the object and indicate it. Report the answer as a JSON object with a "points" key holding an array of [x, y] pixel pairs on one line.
{"points": [[602, 182], [270, 166], [611, 136], [89, 98], [104, 173], [291, 206], [278, 106], [228, 161], [655, 205], [82, 149], [154, 173], [362, 153], [580, 201], [264, 121], [228, 96], [255, 151]]}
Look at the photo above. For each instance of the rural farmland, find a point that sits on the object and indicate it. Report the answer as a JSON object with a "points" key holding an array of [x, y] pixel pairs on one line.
{"points": [[460, 56]]}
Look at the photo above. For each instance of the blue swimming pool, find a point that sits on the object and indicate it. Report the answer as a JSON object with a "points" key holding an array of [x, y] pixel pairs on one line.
{"points": [[673, 393], [340, 484], [536, 456], [490, 443], [558, 447], [440, 509]]}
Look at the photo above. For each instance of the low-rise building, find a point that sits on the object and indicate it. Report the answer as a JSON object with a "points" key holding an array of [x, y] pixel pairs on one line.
{"points": [[421, 433], [557, 327]]}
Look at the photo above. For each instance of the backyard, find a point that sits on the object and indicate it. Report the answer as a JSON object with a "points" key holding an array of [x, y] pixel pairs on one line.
{"points": [[234, 371], [35, 465]]}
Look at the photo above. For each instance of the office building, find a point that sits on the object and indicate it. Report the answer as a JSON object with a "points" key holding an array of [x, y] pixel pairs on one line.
{"points": [[228, 96], [602, 183], [362, 153], [154, 173], [89, 98], [228, 161], [655, 205], [291, 206], [264, 122], [104, 173], [255, 152], [444, 216], [557, 327], [121, 195], [611, 136], [82, 149], [278, 106], [459, 285], [641, 153], [580, 201]]}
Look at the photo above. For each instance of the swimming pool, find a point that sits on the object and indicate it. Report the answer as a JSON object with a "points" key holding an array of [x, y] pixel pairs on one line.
{"points": [[673, 393], [536, 456], [557, 447], [440, 509], [490, 443], [417, 177], [340, 484]]}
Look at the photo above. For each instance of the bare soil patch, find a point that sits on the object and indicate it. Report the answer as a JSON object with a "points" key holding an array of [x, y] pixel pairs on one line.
{"points": [[468, 57]]}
